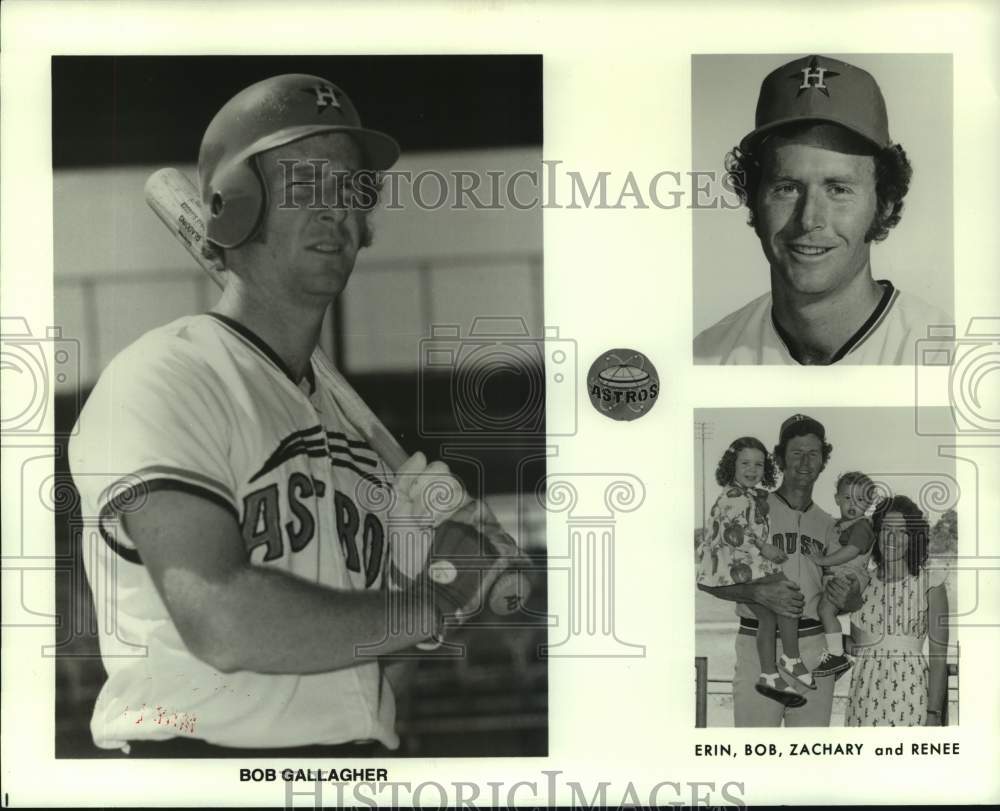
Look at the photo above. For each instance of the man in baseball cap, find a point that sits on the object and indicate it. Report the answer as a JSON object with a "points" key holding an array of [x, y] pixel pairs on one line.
{"points": [[823, 181]]}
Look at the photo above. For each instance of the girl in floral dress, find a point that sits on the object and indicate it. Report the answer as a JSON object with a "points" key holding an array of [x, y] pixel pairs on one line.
{"points": [[737, 550], [893, 683]]}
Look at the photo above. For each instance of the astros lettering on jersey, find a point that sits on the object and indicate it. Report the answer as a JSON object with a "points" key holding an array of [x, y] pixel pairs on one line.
{"points": [[793, 532], [204, 406], [888, 337]]}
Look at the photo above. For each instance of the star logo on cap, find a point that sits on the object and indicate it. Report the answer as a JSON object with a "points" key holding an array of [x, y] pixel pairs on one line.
{"points": [[326, 96], [814, 77]]}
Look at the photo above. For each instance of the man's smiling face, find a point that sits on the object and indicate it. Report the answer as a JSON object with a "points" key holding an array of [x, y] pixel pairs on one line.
{"points": [[813, 208]]}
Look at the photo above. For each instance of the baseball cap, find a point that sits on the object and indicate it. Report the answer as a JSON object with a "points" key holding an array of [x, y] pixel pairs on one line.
{"points": [[818, 88], [802, 425]]}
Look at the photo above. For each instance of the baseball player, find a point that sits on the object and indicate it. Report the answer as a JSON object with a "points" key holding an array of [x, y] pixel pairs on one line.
{"points": [[242, 585], [797, 525], [822, 181]]}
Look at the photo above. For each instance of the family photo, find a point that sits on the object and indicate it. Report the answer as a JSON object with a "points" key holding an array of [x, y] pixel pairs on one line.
{"points": [[823, 565]]}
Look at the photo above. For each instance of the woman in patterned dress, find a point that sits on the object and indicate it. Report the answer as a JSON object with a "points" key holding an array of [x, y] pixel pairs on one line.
{"points": [[893, 684]]}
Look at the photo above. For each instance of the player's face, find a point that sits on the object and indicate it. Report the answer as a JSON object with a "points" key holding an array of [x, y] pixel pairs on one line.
{"points": [[803, 460], [312, 232], [893, 539], [749, 467], [812, 212]]}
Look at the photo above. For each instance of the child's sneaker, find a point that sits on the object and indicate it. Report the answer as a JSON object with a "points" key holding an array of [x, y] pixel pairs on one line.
{"points": [[798, 671], [832, 664], [773, 686]]}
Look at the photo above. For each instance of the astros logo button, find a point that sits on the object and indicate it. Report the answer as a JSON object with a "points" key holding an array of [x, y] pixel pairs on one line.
{"points": [[623, 384]]}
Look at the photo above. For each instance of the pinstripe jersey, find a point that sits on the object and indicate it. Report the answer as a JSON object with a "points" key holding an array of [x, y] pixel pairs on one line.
{"points": [[792, 531], [887, 337], [202, 405]]}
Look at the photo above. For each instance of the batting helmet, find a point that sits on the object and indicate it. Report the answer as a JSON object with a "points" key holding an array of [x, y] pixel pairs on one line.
{"points": [[264, 116]]}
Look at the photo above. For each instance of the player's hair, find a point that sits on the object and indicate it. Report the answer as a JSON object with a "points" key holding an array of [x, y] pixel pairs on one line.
{"points": [[918, 531], [862, 486], [802, 428], [725, 473], [892, 181]]}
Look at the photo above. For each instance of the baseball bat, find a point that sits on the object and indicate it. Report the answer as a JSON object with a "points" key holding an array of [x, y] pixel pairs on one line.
{"points": [[175, 200]]}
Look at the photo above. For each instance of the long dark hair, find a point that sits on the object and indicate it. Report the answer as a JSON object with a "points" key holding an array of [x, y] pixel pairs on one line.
{"points": [[918, 531]]}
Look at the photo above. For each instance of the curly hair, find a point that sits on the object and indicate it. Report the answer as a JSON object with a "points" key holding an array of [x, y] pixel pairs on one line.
{"points": [[725, 472], [918, 531], [802, 429], [861, 487], [893, 173]]}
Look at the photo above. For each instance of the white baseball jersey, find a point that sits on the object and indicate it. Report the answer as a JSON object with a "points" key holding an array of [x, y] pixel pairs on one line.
{"points": [[792, 531], [751, 336], [202, 405]]}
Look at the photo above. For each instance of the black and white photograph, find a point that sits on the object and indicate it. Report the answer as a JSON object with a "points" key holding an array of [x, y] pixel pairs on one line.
{"points": [[841, 166], [825, 563], [363, 410], [268, 572]]}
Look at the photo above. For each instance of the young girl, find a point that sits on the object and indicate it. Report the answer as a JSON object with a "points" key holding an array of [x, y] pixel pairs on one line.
{"points": [[736, 550]]}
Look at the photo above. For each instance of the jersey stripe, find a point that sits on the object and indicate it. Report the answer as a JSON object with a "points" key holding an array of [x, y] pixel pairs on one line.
{"points": [[784, 501], [875, 320], [258, 343], [351, 443], [123, 501], [362, 459], [311, 447], [147, 476], [871, 324], [363, 474]]}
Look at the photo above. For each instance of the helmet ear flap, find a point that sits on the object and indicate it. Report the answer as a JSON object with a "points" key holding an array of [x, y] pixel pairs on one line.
{"points": [[234, 205]]}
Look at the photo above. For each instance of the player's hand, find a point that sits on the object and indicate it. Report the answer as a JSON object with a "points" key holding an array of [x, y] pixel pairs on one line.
{"points": [[475, 565], [781, 596], [844, 592], [770, 552], [427, 491], [464, 564], [426, 495]]}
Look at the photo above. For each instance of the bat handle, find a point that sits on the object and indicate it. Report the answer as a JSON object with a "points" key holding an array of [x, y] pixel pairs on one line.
{"points": [[386, 446]]}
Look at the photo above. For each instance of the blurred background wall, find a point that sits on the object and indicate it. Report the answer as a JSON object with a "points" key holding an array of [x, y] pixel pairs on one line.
{"points": [[119, 273]]}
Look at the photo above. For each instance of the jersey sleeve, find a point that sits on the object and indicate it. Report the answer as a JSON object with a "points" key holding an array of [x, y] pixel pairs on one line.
{"points": [[157, 419], [861, 536]]}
